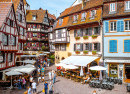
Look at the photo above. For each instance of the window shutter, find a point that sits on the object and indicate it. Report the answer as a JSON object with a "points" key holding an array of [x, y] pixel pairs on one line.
{"points": [[122, 26], [74, 33], [99, 28], [106, 27], [110, 46], [115, 45], [98, 47], [81, 47], [126, 45], [81, 32], [90, 46], [74, 47], [118, 26], [90, 31]]}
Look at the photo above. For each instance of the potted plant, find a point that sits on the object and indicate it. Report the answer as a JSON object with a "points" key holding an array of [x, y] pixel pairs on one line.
{"points": [[94, 36], [94, 52], [85, 37], [85, 52], [77, 38], [77, 52]]}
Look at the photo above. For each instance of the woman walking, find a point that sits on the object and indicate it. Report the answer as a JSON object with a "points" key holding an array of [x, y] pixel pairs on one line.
{"points": [[46, 87]]}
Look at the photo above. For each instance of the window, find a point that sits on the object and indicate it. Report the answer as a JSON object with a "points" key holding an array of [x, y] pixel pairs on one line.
{"points": [[10, 57], [113, 70], [34, 17], [34, 26], [112, 7], [126, 45], [127, 25], [113, 46], [87, 32], [83, 15], [18, 28], [127, 5], [23, 31], [5, 39], [10, 23], [92, 13], [34, 34], [63, 47], [95, 30], [78, 47], [60, 21], [112, 26], [95, 46], [87, 46], [20, 17], [78, 32], [2, 57], [20, 46], [46, 19], [75, 18], [13, 40], [57, 47], [59, 33]]}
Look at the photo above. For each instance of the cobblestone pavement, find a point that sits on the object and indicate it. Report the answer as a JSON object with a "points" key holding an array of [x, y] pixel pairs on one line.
{"points": [[67, 86]]}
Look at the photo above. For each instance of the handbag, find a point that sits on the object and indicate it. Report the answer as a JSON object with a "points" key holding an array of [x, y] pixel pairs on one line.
{"points": [[43, 90]]}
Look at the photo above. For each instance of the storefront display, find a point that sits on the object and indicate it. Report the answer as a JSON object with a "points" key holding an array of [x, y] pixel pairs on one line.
{"points": [[113, 70]]}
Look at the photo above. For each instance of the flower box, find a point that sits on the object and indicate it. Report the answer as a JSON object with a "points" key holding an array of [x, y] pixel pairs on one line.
{"points": [[34, 38], [77, 52], [25, 48], [85, 52], [94, 52], [85, 37], [77, 38], [94, 36]]}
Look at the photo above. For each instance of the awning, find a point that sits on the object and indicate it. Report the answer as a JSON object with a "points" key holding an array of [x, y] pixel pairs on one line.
{"points": [[29, 61], [25, 70], [79, 60], [13, 73]]}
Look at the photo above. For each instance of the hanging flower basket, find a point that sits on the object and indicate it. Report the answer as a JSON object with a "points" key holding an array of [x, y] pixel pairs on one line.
{"points": [[77, 38], [85, 52], [94, 36], [85, 37], [77, 52], [94, 52]]}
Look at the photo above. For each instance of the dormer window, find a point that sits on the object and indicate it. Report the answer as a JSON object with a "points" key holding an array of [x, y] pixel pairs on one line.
{"points": [[75, 18], [60, 21], [46, 19], [127, 5], [112, 7], [34, 17], [93, 12], [83, 15]]}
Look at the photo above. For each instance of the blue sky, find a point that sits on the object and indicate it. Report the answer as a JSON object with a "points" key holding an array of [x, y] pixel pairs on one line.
{"points": [[51, 5]]}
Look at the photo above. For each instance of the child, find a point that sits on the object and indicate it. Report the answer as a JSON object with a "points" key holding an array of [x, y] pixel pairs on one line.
{"points": [[94, 92]]}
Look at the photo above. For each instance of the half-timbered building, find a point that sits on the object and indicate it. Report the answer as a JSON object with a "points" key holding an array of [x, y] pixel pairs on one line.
{"points": [[8, 35]]}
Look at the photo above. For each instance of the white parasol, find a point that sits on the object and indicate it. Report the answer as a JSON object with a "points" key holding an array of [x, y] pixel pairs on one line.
{"points": [[81, 71], [98, 68]]}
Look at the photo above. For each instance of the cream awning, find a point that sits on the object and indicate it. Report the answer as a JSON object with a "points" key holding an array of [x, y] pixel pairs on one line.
{"points": [[79, 60]]}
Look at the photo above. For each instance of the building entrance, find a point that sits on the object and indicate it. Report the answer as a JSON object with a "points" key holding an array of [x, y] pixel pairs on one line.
{"points": [[127, 71]]}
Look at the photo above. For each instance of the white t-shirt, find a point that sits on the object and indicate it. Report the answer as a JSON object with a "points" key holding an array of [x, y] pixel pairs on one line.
{"points": [[38, 69], [34, 85], [29, 91], [31, 79]]}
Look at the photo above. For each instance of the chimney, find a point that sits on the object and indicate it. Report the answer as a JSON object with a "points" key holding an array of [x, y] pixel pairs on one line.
{"points": [[83, 3]]}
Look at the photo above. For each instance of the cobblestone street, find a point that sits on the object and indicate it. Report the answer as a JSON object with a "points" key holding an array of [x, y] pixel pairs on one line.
{"points": [[67, 86]]}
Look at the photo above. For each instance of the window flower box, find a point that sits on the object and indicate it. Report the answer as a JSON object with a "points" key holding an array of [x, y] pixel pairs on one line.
{"points": [[34, 48], [34, 38], [94, 36], [77, 38], [94, 52], [85, 37], [85, 52], [77, 52], [25, 48]]}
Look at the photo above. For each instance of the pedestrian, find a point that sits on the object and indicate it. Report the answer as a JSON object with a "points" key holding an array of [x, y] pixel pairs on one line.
{"points": [[51, 88], [54, 78], [31, 80], [19, 83], [24, 83], [49, 74], [38, 70], [52, 73], [94, 92], [34, 87], [29, 90], [15, 82], [42, 71], [46, 87]]}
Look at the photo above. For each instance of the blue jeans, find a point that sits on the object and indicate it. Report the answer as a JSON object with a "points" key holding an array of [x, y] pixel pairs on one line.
{"points": [[24, 86], [54, 79], [46, 90], [19, 86]]}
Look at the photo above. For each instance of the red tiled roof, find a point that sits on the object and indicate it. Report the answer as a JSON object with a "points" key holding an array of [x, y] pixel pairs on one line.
{"points": [[15, 2], [4, 9], [51, 16]]}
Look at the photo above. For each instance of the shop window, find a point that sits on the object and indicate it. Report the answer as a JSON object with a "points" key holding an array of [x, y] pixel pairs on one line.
{"points": [[10, 56], [113, 70], [113, 46], [126, 45], [127, 25], [113, 26]]}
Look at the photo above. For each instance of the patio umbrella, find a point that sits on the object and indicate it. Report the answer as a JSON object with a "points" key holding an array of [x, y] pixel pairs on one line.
{"points": [[70, 67], [11, 73], [81, 71], [100, 77], [60, 64]]}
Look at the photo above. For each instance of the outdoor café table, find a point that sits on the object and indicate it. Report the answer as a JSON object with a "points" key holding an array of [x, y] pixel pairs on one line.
{"points": [[64, 73], [68, 75], [73, 77], [78, 78]]}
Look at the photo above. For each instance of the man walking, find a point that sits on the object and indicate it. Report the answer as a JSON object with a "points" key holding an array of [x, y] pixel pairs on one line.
{"points": [[50, 74], [54, 77], [51, 88], [34, 87]]}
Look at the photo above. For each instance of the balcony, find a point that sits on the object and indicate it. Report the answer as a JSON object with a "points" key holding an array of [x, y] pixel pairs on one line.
{"points": [[37, 29]]}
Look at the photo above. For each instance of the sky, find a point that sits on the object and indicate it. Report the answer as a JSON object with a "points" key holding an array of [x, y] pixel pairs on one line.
{"points": [[53, 6]]}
